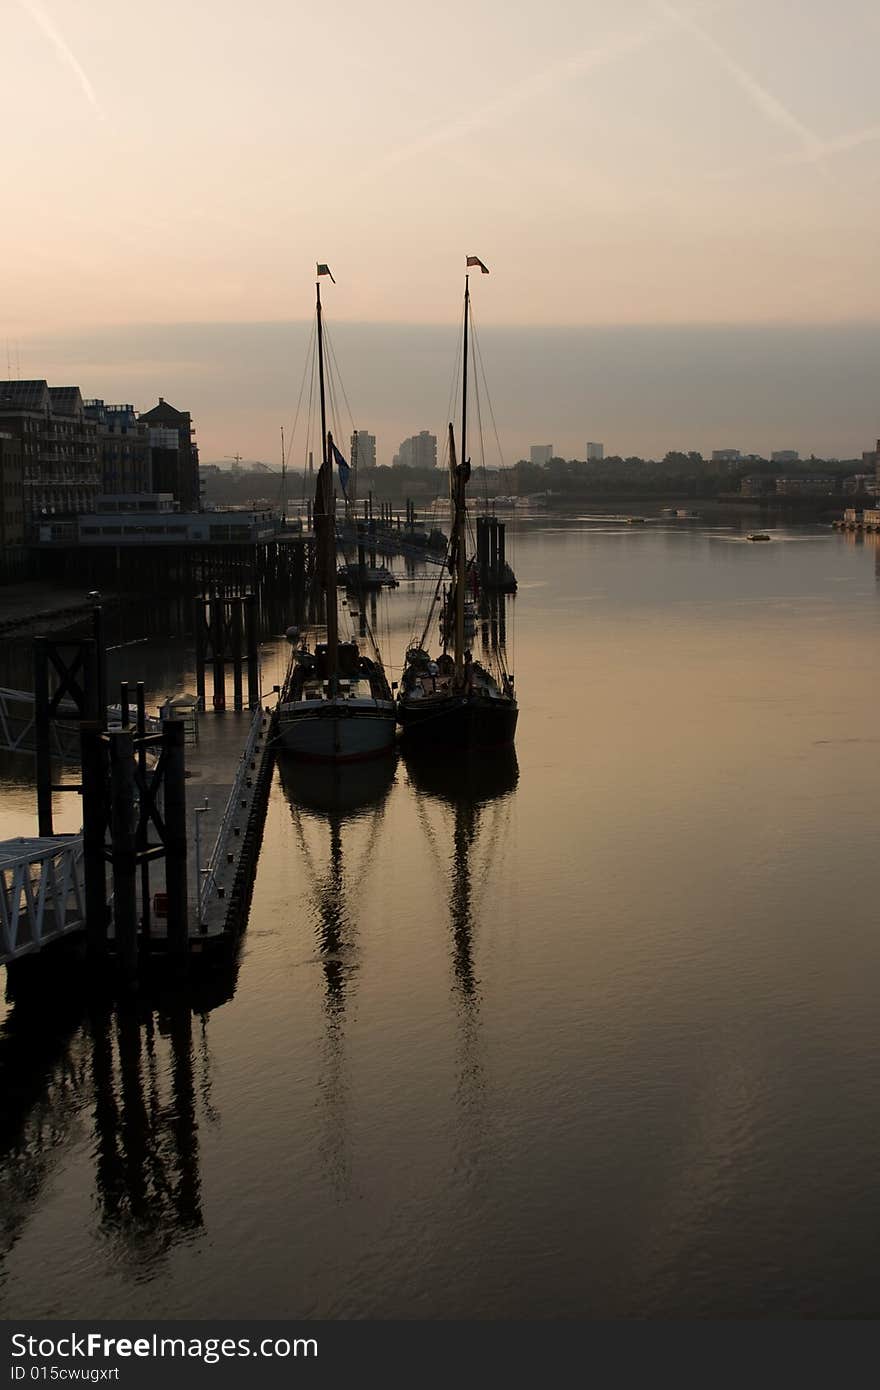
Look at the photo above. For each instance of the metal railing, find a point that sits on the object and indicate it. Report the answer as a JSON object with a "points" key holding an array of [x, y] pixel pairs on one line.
{"points": [[42, 892], [233, 809]]}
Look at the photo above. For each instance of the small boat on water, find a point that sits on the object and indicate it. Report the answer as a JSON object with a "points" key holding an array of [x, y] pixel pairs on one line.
{"points": [[356, 576], [634, 520], [757, 536]]}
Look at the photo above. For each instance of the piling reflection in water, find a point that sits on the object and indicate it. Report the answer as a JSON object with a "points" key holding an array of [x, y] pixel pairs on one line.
{"points": [[134, 1076], [336, 798]]}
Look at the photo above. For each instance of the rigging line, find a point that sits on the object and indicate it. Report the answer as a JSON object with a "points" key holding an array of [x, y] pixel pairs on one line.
{"points": [[308, 362], [441, 578], [483, 475], [310, 423], [332, 353], [476, 343]]}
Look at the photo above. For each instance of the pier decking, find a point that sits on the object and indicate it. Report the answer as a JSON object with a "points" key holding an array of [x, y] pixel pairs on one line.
{"points": [[42, 892]]}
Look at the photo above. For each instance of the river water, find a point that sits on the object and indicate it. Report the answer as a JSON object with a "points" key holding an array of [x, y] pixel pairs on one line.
{"points": [[590, 1033]]}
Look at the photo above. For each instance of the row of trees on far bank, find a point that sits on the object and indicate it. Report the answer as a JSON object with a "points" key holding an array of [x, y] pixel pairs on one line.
{"points": [[686, 474]]}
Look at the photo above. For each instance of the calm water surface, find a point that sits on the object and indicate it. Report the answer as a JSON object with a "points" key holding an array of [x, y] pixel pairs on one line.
{"points": [[593, 1034]]}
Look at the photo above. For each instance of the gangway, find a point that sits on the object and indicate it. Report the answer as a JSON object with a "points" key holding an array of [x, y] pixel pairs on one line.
{"points": [[42, 892]]}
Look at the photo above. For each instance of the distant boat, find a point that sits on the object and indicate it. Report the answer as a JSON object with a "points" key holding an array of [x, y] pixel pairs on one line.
{"points": [[634, 520], [352, 576], [757, 536]]}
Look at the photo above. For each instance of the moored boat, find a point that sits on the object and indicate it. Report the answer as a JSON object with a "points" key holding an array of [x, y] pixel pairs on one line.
{"points": [[336, 704], [452, 700]]}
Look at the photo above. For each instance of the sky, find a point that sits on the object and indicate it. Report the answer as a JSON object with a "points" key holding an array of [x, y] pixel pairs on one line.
{"points": [[705, 172]]}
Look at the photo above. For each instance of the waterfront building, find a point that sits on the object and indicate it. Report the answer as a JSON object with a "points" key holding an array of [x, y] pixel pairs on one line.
{"points": [[419, 451], [806, 487], [161, 523], [758, 486], [11, 505], [123, 447], [174, 454], [59, 449], [860, 483], [595, 452], [540, 454]]}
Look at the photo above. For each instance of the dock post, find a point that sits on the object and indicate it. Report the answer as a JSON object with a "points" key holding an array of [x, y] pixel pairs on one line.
{"points": [[501, 557], [218, 636], [253, 655], [123, 823], [41, 736], [143, 833], [199, 610], [237, 642], [94, 811], [123, 704], [175, 835], [100, 663]]}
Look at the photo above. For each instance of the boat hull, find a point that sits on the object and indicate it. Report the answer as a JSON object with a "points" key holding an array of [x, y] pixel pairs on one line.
{"points": [[460, 721], [335, 732]]}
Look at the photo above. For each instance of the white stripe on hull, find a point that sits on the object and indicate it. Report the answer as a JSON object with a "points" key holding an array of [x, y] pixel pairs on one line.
{"points": [[316, 730]]}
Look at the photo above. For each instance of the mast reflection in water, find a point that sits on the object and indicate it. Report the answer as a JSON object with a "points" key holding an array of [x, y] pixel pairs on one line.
{"points": [[336, 798], [478, 791]]}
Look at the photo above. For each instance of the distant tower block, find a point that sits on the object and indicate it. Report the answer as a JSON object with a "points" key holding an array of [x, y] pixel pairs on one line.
{"points": [[595, 452], [540, 453]]}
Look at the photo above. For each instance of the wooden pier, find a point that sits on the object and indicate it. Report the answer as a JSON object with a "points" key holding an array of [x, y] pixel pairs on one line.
{"points": [[173, 807]]}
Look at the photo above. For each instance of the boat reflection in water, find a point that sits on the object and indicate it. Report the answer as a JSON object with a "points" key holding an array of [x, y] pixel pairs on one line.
{"points": [[473, 796], [347, 800]]}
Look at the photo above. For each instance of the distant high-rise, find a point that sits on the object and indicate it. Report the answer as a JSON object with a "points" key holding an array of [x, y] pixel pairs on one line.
{"points": [[540, 453], [363, 449], [419, 451], [725, 455], [784, 456], [595, 452]]}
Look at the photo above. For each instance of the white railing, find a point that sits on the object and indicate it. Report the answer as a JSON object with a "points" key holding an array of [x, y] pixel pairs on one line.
{"points": [[42, 892], [232, 812]]}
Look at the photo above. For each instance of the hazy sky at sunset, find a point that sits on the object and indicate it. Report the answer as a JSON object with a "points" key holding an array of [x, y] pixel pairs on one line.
{"points": [[615, 163]]}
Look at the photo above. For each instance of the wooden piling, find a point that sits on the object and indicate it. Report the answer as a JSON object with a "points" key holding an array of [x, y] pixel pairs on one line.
{"points": [[41, 736], [93, 757], [173, 758], [123, 823], [253, 655]]}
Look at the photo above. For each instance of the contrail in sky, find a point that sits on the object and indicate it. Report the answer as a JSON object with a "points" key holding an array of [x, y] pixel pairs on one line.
{"points": [[39, 16], [519, 95], [840, 144], [765, 101]]}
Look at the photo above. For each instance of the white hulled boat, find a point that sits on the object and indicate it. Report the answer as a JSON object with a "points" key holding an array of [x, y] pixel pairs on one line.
{"points": [[336, 703]]}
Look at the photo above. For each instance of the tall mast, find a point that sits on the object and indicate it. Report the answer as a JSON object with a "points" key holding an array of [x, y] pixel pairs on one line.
{"points": [[460, 503], [329, 520], [283, 481]]}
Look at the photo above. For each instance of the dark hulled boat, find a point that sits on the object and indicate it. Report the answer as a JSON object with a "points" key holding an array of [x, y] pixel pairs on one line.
{"points": [[452, 700]]}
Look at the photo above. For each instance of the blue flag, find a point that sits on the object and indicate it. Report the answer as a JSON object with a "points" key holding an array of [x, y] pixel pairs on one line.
{"points": [[344, 469]]}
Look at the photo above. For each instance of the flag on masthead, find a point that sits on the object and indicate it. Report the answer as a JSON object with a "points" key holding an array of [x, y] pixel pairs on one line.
{"points": [[475, 260], [325, 270]]}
